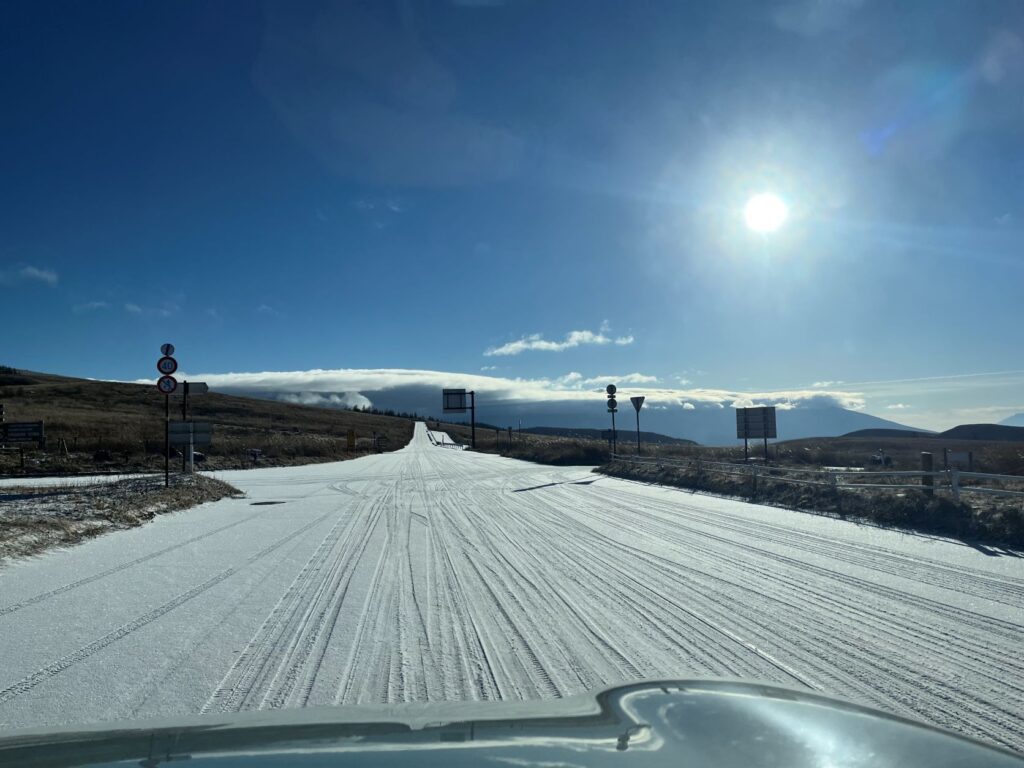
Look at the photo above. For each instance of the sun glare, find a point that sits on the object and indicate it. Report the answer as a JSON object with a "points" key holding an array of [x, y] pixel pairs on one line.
{"points": [[765, 212]]}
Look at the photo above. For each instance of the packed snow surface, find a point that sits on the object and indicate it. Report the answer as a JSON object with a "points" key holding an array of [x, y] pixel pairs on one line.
{"points": [[431, 574]]}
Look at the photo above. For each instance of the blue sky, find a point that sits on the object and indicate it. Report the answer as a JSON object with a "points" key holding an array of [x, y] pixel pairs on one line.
{"points": [[295, 187]]}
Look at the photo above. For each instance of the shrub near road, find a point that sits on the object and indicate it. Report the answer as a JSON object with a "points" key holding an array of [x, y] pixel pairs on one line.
{"points": [[989, 519]]}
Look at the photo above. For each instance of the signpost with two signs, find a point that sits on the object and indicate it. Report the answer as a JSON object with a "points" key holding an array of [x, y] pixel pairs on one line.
{"points": [[185, 432]]}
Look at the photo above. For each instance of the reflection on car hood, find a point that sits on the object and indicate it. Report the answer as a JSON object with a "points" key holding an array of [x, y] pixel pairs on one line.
{"points": [[651, 724]]}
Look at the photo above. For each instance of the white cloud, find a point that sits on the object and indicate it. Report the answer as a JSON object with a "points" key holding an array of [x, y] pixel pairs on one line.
{"points": [[47, 276], [90, 306], [1003, 58], [164, 310], [572, 379], [825, 384], [689, 407], [812, 17], [30, 273], [629, 378], [488, 367], [266, 309], [536, 342], [897, 407], [343, 399], [568, 387]]}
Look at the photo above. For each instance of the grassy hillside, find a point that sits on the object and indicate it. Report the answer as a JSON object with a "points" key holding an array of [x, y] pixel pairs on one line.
{"points": [[109, 425], [544, 449], [999, 432]]}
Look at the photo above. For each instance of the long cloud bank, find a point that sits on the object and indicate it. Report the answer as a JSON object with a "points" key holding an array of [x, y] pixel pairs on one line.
{"points": [[355, 386]]}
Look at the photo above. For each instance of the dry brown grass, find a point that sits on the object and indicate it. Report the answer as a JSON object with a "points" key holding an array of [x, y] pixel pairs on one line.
{"points": [[121, 426], [989, 519]]}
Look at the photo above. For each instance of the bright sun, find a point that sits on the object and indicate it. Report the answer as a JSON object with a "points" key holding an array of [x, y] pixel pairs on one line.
{"points": [[765, 212]]}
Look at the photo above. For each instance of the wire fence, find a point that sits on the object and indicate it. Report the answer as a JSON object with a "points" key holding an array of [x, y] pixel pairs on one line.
{"points": [[449, 443], [954, 481]]}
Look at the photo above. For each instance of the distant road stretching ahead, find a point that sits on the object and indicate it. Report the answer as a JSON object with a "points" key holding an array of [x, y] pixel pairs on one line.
{"points": [[432, 574]]}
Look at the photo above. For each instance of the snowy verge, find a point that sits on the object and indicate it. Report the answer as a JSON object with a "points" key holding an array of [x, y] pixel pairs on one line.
{"points": [[34, 518]]}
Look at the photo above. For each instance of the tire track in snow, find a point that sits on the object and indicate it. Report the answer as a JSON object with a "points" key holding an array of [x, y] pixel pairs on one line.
{"points": [[725, 548], [970, 581], [985, 713], [29, 682], [274, 650], [42, 596]]}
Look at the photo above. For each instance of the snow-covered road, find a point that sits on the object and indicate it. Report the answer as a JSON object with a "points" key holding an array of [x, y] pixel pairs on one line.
{"points": [[434, 574]]}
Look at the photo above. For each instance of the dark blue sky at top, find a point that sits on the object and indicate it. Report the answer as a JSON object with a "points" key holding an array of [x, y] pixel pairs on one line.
{"points": [[303, 185]]}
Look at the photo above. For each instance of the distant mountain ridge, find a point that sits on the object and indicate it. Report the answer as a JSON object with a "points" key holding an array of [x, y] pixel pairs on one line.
{"points": [[988, 432], [1017, 420], [985, 432], [598, 434], [890, 433]]}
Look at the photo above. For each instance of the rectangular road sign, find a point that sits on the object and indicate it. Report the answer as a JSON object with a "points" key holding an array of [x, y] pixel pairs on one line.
{"points": [[454, 400], [195, 388], [196, 432], [756, 423], [23, 432]]}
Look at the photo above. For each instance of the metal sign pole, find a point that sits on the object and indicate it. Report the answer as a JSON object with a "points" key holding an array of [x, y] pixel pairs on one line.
{"points": [[638, 433], [746, 432], [167, 440], [615, 442], [184, 417]]}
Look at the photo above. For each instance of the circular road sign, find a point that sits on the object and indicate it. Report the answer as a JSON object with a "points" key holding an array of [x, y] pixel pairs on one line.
{"points": [[610, 389], [166, 350], [167, 365], [612, 403], [167, 384]]}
